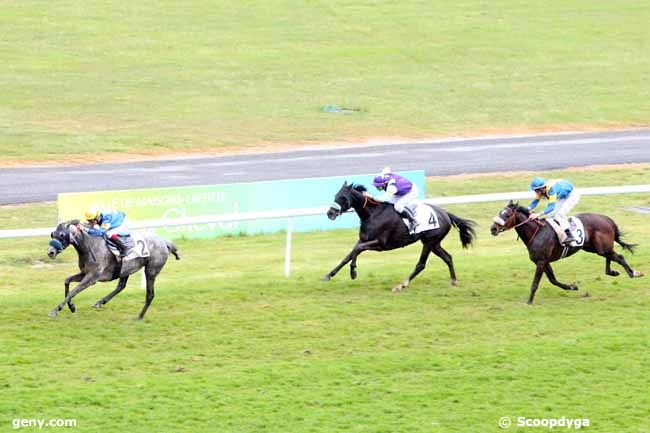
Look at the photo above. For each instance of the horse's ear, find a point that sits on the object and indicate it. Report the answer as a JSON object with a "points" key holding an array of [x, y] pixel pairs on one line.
{"points": [[345, 183], [510, 203]]}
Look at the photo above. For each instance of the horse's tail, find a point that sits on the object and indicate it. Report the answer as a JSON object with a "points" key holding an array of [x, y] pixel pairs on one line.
{"points": [[465, 227], [618, 234], [172, 249]]}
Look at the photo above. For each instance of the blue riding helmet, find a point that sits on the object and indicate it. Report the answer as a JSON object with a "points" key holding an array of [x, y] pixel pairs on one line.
{"points": [[537, 183]]}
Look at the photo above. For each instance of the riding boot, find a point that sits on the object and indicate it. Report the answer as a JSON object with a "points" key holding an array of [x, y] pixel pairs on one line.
{"points": [[121, 245], [412, 221], [569, 238]]}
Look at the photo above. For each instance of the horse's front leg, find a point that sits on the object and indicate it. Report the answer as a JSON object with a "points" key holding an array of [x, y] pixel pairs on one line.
{"points": [[338, 267], [75, 277], [353, 267], [121, 284], [551, 277], [87, 281], [358, 249], [541, 266]]}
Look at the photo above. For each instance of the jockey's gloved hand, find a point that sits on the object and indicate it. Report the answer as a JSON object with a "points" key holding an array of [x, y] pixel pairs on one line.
{"points": [[533, 216]]}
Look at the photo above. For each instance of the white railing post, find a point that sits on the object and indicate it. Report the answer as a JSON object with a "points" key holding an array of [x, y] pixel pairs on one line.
{"points": [[287, 250]]}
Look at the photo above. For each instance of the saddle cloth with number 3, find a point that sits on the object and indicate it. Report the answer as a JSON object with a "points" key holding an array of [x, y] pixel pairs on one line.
{"points": [[577, 230]]}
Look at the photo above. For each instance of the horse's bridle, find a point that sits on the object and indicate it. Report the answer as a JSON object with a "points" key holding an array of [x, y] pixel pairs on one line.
{"points": [[504, 224], [499, 220], [366, 200]]}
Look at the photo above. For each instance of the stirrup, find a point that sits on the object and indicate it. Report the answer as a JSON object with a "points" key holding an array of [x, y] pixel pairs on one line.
{"points": [[567, 241]]}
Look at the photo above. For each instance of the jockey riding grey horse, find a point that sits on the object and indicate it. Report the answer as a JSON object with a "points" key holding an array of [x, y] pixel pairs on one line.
{"points": [[98, 263]]}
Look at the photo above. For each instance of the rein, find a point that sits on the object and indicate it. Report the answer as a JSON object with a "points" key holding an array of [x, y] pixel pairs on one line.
{"points": [[539, 226], [369, 200]]}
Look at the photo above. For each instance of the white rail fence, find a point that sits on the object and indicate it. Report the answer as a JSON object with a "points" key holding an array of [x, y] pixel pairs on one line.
{"points": [[290, 214]]}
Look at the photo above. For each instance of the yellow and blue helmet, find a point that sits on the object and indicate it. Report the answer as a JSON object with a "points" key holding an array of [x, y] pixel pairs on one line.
{"points": [[91, 214]]}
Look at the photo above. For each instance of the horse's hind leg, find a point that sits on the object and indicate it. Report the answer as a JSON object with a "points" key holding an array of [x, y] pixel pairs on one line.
{"points": [[419, 267], [120, 286], [446, 257], [70, 279], [551, 277], [151, 278], [618, 258]]}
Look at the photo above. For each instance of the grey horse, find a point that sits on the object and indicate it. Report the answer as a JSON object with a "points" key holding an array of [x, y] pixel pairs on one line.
{"points": [[98, 263]]}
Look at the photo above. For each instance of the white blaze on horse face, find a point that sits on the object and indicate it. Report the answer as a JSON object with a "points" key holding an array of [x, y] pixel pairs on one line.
{"points": [[73, 229], [499, 221]]}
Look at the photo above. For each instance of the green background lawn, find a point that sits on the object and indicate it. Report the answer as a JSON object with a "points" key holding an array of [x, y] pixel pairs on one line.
{"points": [[86, 78], [230, 345]]}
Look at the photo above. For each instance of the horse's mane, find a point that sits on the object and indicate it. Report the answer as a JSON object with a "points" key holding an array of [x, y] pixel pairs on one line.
{"points": [[521, 209], [358, 187]]}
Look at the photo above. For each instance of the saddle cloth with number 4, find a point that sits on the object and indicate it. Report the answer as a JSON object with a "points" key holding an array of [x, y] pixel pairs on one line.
{"points": [[426, 217]]}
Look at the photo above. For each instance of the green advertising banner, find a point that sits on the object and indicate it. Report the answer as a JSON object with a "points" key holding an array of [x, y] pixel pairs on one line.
{"points": [[192, 201]]}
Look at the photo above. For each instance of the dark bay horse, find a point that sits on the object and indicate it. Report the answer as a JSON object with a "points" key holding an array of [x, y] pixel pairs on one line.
{"points": [[98, 263], [382, 229], [543, 246]]}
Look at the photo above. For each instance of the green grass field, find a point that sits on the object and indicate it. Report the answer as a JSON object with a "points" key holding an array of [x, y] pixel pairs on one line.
{"points": [[90, 78], [230, 345]]}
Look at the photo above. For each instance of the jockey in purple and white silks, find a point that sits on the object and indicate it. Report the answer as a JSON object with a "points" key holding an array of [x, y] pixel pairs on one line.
{"points": [[399, 191]]}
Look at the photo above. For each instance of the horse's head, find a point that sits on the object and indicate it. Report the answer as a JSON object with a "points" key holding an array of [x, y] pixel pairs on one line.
{"points": [[62, 236], [342, 201], [507, 218], [345, 199]]}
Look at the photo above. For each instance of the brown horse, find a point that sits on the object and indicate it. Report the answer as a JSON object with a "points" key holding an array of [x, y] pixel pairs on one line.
{"points": [[544, 247]]}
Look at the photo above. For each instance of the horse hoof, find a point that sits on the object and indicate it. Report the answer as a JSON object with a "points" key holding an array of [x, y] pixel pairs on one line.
{"points": [[326, 278], [353, 275], [573, 287], [73, 308], [637, 274], [397, 289], [98, 305], [614, 273], [453, 283], [53, 313]]}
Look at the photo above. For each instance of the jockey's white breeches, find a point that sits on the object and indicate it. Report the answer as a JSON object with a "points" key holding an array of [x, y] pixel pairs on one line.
{"points": [[406, 200], [563, 207], [122, 230]]}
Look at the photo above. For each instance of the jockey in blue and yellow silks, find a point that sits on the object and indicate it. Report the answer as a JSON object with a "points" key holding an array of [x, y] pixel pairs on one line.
{"points": [[109, 225], [561, 196]]}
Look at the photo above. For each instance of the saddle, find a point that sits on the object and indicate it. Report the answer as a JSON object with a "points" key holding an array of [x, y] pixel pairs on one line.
{"points": [[575, 227], [426, 217], [137, 247]]}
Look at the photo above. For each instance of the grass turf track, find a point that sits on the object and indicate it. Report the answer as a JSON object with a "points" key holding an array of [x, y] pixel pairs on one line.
{"points": [[229, 345], [85, 79]]}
